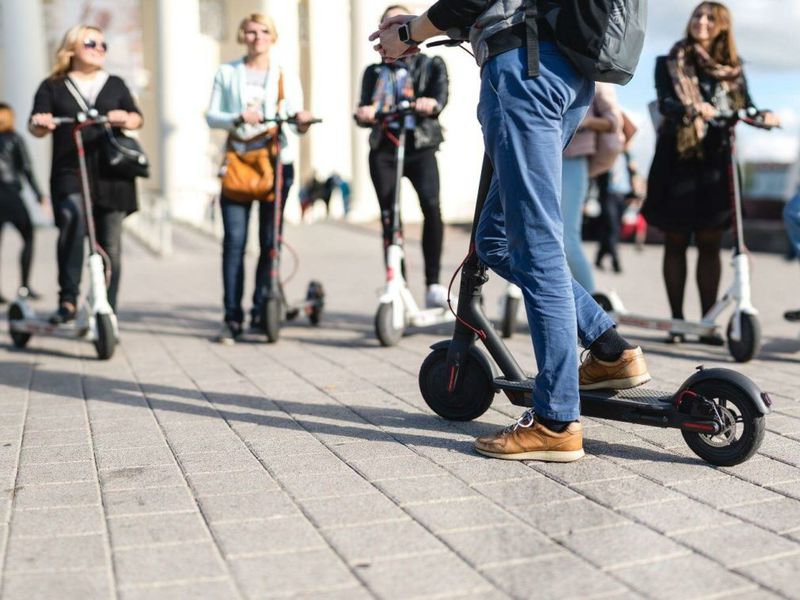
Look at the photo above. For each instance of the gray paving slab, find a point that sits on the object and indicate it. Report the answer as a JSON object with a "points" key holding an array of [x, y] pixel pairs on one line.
{"points": [[312, 467]]}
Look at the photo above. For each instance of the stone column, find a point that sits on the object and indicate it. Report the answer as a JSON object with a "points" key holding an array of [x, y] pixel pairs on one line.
{"points": [[24, 66], [363, 14], [185, 73]]}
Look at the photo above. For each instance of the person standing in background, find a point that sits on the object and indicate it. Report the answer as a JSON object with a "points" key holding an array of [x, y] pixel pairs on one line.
{"points": [[246, 94], [15, 165], [79, 70]]}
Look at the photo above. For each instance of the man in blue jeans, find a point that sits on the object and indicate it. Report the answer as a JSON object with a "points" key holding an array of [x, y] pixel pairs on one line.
{"points": [[791, 219], [527, 121]]}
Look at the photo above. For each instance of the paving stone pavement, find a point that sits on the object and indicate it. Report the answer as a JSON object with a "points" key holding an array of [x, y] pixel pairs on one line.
{"points": [[312, 468]]}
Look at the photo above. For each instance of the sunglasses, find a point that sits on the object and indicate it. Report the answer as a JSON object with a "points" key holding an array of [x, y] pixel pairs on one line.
{"points": [[255, 32], [91, 44]]}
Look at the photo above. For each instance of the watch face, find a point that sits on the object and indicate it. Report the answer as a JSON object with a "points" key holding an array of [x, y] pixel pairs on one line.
{"points": [[403, 33]]}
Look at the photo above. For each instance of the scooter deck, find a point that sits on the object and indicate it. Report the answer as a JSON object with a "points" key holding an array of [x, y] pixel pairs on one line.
{"points": [[596, 401]]}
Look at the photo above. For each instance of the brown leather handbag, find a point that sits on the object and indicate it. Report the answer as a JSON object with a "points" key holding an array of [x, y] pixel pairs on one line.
{"points": [[249, 172]]}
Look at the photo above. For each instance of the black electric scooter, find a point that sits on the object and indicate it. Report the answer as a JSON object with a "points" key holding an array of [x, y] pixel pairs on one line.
{"points": [[720, 412], [276, 306]]}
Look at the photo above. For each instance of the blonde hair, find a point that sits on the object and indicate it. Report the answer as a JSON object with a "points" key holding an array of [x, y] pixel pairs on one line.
{"points": [[6, 118], [261, 19], [66, 51]]}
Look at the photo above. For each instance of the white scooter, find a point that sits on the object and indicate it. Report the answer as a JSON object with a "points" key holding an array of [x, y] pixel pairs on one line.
{"points": [[397, 308], [743, 331], [95, 321]]}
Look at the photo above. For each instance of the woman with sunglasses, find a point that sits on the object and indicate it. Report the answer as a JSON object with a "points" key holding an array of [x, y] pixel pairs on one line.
{"points": [[246, 94], [79, 70]]}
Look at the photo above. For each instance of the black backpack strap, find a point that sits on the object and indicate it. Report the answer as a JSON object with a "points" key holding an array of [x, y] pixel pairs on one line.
{"points": [[532, 36]]}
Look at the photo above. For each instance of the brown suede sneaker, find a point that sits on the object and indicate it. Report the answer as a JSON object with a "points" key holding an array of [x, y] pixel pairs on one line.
{"points": [[626, 372], [527, 439]]}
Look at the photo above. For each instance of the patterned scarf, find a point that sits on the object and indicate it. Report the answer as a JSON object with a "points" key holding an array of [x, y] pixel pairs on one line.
{"points": [[683, 61], [394, 84]]}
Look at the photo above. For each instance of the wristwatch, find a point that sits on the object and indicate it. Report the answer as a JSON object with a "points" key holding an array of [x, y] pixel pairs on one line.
{"points": [[404, 33]]}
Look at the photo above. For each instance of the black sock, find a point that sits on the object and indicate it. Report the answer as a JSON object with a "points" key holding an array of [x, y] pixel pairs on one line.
{"points": [[553, 425], [609, 346]]}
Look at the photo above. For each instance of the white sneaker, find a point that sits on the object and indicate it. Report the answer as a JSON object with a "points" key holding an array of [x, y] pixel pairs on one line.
{"points": [[436, 297]]}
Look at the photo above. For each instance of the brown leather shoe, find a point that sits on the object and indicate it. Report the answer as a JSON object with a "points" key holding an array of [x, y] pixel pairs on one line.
{"points": [[626, 372], [527, 439]]}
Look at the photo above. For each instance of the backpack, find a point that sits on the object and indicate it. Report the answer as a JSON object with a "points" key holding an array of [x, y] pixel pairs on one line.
{"points": [[602, 38]]}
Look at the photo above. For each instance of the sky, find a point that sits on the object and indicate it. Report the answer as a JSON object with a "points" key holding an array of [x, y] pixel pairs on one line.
{"points": [[767, 34]]}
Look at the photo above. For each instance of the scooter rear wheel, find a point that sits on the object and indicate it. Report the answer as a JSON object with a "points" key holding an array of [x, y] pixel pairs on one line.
{"points": [[106, 339], [509, 317], [750, 343], [473, 397], [387, 333], [20, 338], [316, 296], [744, 425], [272, 319]]}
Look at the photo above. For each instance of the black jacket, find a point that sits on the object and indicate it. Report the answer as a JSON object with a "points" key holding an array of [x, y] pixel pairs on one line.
{"points": [[108, 191], [15, 163], [457, 14], [687, 194], [430, 81]]}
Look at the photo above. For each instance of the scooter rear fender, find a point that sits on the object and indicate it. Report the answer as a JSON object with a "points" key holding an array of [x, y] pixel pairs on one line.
{"points": [[761, 400]]}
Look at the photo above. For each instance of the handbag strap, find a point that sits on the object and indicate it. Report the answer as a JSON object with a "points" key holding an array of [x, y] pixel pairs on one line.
{"points": [[73, 90], [281, 95]]}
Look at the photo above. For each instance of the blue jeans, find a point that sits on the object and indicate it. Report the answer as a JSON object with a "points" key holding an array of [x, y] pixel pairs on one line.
{"points": [[527, 122], [235, 218], [574, 189], [791, 219]]}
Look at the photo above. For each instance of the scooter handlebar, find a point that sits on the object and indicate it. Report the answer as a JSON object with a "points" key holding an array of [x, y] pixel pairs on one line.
{"points": [[290, 120], [751, 116], [88, 119]]}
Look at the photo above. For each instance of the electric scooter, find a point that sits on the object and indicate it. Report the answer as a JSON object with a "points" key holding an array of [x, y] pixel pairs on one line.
{"points": [[276, 306], [721, 413], [95, 321], [744, 331], [397, 308]]}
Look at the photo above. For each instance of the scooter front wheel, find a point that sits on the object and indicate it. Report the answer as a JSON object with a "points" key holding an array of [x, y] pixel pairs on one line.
{"points": [[272, 319], [20, 338], [743, 428], [387, 333], [106, 339], [749, 344], [470, 400]]}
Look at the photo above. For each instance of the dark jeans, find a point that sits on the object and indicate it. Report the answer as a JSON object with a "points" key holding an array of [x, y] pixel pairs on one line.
{"points": [[612, 206], [235, 218], [13, 210], [68, 213], [422, 171]]}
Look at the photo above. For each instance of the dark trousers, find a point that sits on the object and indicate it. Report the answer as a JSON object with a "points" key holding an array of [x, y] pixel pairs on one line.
{"points": [[422, 170], [235, 218], [13, 210], [612, 206], [69, 217]]}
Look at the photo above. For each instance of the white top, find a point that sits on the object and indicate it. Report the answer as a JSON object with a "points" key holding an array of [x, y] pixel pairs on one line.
{"points": [[90, 88], [229, 97]]}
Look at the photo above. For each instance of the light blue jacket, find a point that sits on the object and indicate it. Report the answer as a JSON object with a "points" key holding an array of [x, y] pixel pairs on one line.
{"points": [[227, 102]]}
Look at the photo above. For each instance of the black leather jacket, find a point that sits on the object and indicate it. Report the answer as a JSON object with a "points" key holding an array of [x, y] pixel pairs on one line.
{"points": [[430, 81], [15, 163]]}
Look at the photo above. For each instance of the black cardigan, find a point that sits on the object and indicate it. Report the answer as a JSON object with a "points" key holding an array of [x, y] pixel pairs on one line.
{"points": [[54, 97]]}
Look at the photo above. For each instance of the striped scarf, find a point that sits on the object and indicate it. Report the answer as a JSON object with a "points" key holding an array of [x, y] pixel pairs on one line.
{"points": [[684, 59]]}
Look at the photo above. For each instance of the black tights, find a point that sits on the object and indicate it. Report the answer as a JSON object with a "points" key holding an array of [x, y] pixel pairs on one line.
{"points": [[13, 210], [421, 169], [709, 267]]}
